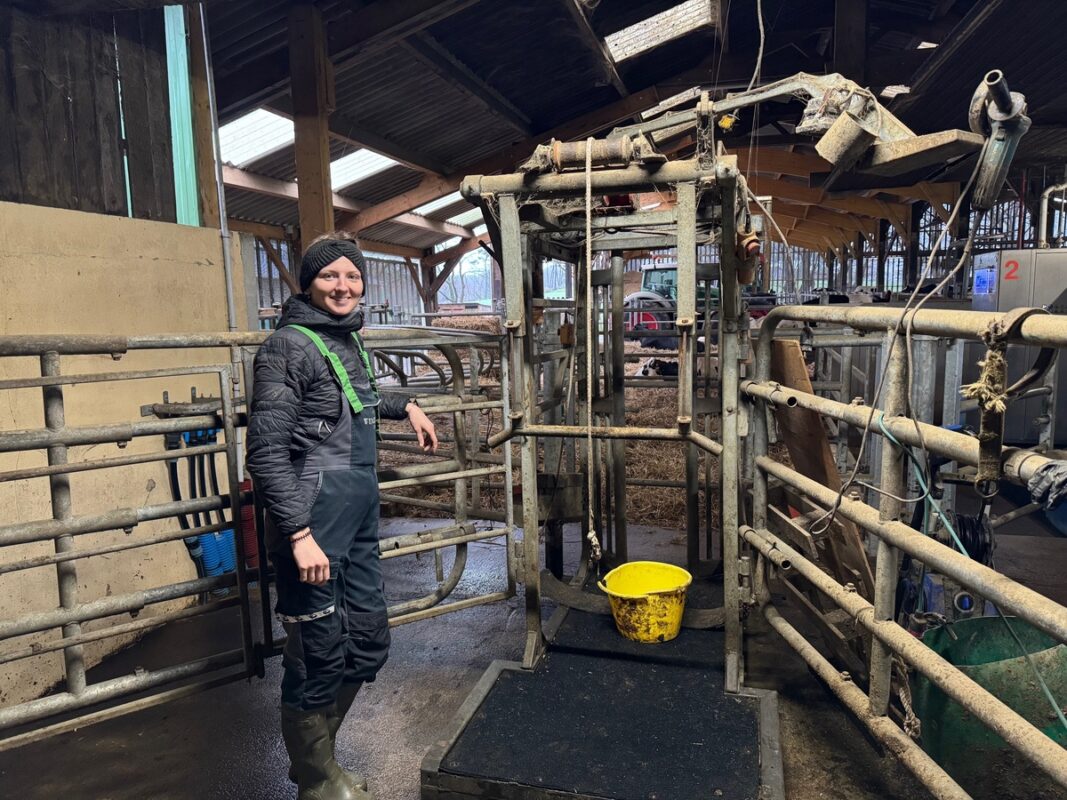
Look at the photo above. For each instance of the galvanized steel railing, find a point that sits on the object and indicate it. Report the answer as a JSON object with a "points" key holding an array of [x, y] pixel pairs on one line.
{"points": [[889, 639], [465, 467]]}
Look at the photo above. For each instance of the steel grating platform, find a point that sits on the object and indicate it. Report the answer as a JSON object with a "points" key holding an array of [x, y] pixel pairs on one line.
{"points": [[603, 718]]}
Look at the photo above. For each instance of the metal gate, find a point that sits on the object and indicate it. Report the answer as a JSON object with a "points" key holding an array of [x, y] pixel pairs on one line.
{"points": [[450, 385]]}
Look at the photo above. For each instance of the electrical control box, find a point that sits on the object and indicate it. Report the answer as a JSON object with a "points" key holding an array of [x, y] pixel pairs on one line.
{"points": [[1012, 279]]}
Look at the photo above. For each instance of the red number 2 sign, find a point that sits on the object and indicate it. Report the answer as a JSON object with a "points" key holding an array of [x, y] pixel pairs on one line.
{"points": [[1011, 270]]}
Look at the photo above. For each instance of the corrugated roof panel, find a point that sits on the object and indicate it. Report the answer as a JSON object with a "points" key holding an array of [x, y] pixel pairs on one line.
{"points": [[383, 185], [403, 235], [244, 30], [532, 54], [256, 207], [942, 89], [402, 101], [440, 202], [281, 165], [451, 210]]}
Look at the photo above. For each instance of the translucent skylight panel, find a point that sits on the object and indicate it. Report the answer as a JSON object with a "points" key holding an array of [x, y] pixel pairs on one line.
{"points": [[470, 217], [439, 203], [478, 231], [253, 136], [356, 167], [662, 27]]}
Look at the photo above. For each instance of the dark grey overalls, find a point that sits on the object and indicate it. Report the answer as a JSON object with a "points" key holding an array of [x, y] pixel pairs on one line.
{"points": [[338, 632]]}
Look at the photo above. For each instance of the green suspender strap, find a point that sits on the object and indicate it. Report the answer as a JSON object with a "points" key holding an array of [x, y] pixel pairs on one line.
{"points": [[338, 368]]}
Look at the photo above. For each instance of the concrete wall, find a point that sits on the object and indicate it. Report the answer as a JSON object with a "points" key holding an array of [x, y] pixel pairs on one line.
{"points": [[71, 272]]}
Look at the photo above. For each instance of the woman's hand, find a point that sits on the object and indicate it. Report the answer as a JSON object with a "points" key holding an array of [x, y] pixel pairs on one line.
{"points": [[424, 429], [311, 562]]}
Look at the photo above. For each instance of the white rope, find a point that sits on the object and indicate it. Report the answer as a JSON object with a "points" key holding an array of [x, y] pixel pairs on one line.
{"points": [[590, 352]]}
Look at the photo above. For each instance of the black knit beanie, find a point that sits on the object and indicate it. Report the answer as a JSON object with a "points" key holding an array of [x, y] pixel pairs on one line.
{"points": [[325, 252]]}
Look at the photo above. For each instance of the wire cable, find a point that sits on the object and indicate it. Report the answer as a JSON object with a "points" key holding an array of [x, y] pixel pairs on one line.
{"points": [[822, 523], [759, 53]]}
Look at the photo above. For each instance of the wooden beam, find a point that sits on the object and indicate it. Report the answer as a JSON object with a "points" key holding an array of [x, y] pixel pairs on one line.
{"points": [[783, 162], [203, 130], [850, 39], [259, 229], [236, 178], [803, 226], [803, 194], [596, 45], [835, 219], [312, 80], [442, 276], [454, 72], [279, 265], [369, 245], [460, 249], [362, 34], [414, 272]]}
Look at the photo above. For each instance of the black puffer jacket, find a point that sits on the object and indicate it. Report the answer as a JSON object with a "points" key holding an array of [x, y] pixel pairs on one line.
{"points": [[294, 392]]}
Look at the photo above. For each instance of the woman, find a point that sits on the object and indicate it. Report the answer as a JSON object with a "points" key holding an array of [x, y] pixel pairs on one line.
{"points": [[312, 439]]}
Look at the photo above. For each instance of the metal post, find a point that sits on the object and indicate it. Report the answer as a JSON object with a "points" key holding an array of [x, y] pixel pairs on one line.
{"points": [[687, 265], [228, 391], [924, 388], [519, 325], [887, 566], [553, 452], [844, 396], [618, 404], [59, 487], [729, 365]]}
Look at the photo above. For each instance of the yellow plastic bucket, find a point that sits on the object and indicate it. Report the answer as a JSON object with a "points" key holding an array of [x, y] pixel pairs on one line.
{"points": [[647, 599]]}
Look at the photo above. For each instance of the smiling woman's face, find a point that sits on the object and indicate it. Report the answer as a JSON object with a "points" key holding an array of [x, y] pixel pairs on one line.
{"points": [[337, 288]]}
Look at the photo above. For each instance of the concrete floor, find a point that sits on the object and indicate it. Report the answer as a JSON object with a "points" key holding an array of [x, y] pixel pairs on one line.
{"points": [[225, 743]]}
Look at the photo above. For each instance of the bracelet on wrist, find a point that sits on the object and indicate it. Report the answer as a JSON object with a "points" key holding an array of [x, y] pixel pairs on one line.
{"points": [[299, 537]]}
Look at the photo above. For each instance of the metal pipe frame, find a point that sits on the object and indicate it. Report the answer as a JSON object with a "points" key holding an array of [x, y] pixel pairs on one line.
{"points": [[119, 519], [104, 463], [694, 183], [1038, 748], [137, 626], [882, 728], [112, 689], [73, 555], [892, 535], [56, 437]]}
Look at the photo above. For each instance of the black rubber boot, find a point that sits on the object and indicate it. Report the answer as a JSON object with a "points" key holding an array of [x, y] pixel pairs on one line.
{"points": [[307, 740], [334, 717]]}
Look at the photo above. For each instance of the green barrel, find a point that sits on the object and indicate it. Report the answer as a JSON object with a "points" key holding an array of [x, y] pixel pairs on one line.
{"points": [[986, 652]]}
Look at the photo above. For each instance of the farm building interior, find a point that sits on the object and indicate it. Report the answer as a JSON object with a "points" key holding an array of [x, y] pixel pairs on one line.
{"points": [[736, 323]]}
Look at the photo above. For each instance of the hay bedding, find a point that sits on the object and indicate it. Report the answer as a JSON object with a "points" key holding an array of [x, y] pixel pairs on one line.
{"points": [[483, 324]]}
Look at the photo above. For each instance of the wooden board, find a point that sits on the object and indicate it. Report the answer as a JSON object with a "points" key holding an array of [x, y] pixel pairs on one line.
{"points": [[809, 450], [142, 53]]}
